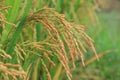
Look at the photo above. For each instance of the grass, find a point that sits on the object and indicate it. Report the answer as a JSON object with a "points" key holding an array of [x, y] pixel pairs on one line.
{"points": [[34, 42], [39, 42]]}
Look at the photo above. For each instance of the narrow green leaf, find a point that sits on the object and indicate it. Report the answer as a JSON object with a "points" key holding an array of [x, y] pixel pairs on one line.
{"points": [[13, 11], [19, 29], [59, 5], [38, 29]]}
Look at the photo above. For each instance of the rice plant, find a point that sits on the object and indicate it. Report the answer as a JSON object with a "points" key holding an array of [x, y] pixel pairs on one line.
{"points": [[34, 40]]}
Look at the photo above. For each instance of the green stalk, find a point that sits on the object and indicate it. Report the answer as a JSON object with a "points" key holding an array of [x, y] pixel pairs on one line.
{"points": [[20, 26], [59, 5], [38, 26], [38, 29], [15, 36], [13, 11]]}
